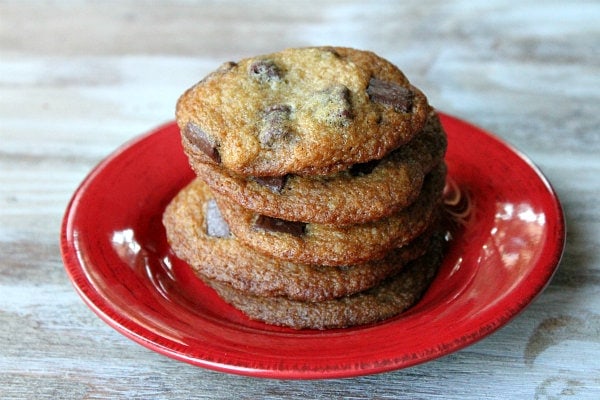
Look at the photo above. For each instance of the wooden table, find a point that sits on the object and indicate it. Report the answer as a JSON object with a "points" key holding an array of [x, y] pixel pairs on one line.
{"points": [[78, 79]]}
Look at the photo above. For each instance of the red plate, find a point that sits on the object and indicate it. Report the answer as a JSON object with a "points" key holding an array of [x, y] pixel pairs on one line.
{"points": [[115, 252]]}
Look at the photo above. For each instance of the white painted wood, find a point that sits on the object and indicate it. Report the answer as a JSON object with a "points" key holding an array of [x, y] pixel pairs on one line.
{"points": [[79, 78]]}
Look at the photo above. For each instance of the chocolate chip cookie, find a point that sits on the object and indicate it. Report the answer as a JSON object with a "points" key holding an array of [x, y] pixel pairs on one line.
{"points": [[386, 300], [300, 111], [335, 245], [199, 236]]}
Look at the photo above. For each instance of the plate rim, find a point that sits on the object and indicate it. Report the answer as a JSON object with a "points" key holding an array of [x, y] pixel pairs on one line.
{"points": [[101, 307]]}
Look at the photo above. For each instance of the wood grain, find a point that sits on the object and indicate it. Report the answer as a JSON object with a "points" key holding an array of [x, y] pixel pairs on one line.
{"points": [[78, 79]]}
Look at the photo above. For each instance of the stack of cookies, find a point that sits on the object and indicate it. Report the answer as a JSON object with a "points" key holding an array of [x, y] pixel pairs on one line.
{"points": [[319, 183]]}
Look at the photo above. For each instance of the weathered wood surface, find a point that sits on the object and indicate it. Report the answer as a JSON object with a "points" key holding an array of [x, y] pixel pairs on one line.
{"points": [[78, 79]]}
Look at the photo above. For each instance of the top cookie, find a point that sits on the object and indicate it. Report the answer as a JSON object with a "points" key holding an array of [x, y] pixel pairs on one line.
{"points": [[302, 110]]}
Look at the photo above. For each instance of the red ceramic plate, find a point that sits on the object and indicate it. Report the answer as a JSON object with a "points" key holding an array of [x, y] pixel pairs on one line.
{"points": [[503, 254]]}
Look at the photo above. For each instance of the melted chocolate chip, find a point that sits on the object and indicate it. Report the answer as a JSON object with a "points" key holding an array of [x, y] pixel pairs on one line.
{"points": [[275, 124], [279, 225], [264, 71], [363, 168], [215, 224], [200, 139], [273, 183], [390, 94]]}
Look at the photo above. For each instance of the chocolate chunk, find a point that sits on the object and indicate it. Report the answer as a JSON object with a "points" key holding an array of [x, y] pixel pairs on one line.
{"points": [[390, 94], [215, 224], [264, 71], [275, 124], [363, 168], [201, 141], [280, 225], [334, 105], [273, 183]]}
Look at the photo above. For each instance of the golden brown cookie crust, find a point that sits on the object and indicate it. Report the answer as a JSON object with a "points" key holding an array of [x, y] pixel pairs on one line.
{"points": [[327, 114], [390, 298], [344, 197], [225, 259], [333, 245]]}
